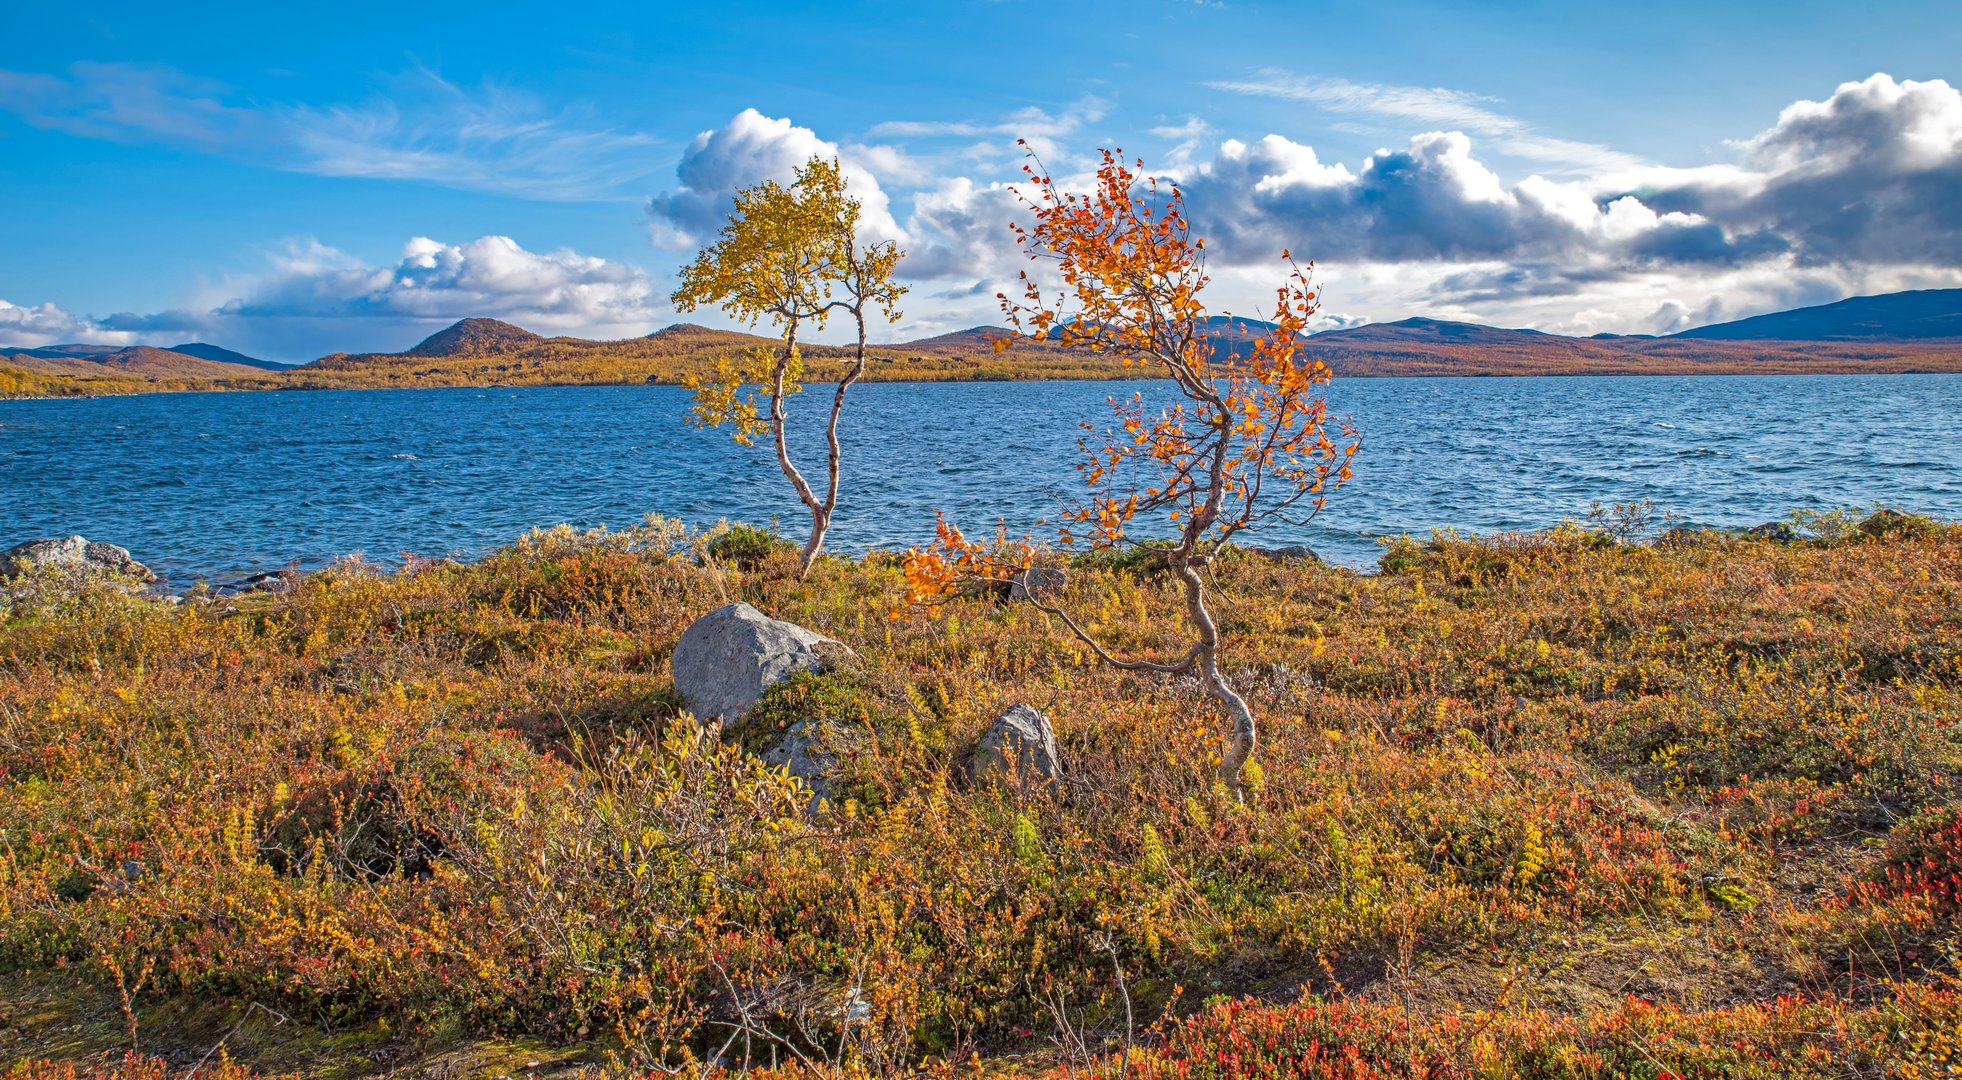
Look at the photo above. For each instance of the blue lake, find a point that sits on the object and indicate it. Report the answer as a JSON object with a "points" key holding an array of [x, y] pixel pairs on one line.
{"points": [[216, 486]]}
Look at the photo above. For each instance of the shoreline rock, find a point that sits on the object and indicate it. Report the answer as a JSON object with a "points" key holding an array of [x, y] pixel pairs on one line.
{"points": [[74, 555]]}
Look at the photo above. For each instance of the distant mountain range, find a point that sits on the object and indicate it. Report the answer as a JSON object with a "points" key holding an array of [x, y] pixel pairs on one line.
{"points": [[1906, 331], [193, 359]]}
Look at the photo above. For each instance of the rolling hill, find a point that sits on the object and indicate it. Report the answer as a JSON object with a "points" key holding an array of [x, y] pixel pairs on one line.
{"points": [[138, 361], [59, 352], [476, 337], [1422, 331], [1920, 315], [226, 356], [1898, 332]]}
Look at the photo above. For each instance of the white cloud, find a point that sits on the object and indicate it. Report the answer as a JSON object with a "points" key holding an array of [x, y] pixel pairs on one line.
{"points": [[46, 324], [993, 143], [1433, 200], [312, 293], [747, 150], [418, 126], [437, 282], [1871, 175], [962, 235]]}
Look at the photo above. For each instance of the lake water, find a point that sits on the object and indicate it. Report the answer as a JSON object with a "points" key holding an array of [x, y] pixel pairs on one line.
{"points": [[216, 486]]}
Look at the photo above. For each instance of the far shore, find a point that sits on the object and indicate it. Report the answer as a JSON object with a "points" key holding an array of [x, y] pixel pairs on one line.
{"points": [[76, 389]]}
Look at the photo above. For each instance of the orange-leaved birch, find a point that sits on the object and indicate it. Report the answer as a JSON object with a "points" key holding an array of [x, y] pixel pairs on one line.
{"points": [[790, 255], [1246, 442]]}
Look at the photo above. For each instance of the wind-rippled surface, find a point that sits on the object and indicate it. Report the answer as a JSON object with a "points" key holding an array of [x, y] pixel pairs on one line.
{"points": [[216, 486]]}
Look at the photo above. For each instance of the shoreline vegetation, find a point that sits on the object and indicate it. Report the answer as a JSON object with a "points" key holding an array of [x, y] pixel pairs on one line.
{"points": [[485, 353], [1593, 802]]}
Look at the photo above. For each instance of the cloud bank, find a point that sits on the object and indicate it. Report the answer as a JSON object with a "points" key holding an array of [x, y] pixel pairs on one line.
{"points": [[311, 292], [1861, 191]]}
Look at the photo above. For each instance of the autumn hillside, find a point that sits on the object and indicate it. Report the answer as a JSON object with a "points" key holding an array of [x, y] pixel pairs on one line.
{"points": [[1430, 347], [479, 352], [80, 371]]}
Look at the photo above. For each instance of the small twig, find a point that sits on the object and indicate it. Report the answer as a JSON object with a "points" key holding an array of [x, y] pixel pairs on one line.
{"points": [[1124, 991]]}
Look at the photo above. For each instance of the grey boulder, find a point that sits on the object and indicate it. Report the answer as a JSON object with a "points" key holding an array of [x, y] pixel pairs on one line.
{"points": [[73, 555], [1019, 748], [727, 659]]}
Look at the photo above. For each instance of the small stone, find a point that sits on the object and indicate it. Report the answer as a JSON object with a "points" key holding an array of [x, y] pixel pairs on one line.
{"points": [[1777, 532], [1019, 747], [1037, 582], [1288, 553], [1886, 522], [269, 581], [802, 752]]}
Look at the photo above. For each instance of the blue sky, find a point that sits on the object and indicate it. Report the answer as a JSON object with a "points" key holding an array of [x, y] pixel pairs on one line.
{"points": [[290, 183]]}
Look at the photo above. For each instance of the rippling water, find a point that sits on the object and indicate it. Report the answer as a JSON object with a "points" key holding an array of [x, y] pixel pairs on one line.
{"points": [[219, 485]]}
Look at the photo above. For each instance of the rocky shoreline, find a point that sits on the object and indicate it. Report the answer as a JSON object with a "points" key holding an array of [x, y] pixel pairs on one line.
{"points": [[74, 561]]}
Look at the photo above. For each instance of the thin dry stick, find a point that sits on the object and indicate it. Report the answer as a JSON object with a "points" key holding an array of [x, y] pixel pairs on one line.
{"points": [[1124, 991]]}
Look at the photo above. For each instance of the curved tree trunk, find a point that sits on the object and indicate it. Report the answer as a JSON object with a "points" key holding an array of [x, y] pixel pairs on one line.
{"points": [[1240, 717], [820, 512]]}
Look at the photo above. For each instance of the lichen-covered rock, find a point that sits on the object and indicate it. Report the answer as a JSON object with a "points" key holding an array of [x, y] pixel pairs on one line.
{"points": [[727, 659], [805, 752], [1886, 522], [1018, 748], [1777, 532], [73, 555], [1038, 582], [1288, 553]]}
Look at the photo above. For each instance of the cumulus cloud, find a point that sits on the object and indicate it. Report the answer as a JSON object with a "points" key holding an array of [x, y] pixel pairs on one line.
{"points": [[46, 324], [434, 281], [1431, 200], [747, 150], [1872, 174], [962, 235], [418, 126], [313, 293]]}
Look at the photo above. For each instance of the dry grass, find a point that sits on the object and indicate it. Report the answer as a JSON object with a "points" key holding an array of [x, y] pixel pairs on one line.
{"points": [[1528, 805]]}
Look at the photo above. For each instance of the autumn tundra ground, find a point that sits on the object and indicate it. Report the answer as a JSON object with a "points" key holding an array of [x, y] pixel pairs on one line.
{"points": [[1550, 805]]}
